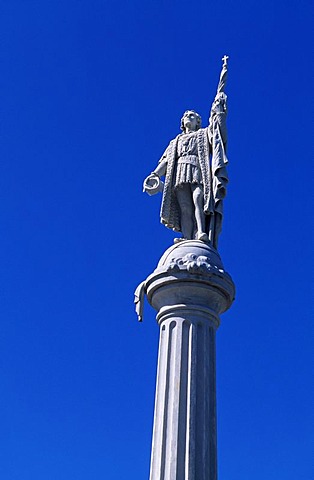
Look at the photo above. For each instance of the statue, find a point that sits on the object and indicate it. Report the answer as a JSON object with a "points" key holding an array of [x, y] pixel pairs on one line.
{"points": [[194, 168]]}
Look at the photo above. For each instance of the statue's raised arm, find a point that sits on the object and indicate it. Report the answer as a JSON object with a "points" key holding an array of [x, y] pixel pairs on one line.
{"points": [[218, 110], [194, 171], [223, 75], [217, 134]]}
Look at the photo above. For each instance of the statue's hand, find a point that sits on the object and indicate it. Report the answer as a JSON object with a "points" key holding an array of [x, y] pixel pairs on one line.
{"points": [[220, 103], [152, 184]]}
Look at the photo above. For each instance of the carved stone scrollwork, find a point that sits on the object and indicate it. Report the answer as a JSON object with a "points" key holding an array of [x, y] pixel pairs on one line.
{"points": [[185, 266], [193, 264]]}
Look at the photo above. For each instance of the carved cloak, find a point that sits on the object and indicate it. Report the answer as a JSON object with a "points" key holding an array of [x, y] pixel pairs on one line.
{"points": [[210, 143]]}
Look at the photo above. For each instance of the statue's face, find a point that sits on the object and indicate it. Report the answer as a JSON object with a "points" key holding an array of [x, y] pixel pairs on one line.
{"points": [[190, 121]]}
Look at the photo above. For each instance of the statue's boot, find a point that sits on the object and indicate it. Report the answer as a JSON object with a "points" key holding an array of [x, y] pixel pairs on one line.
{"points": [[202, 236], [181, 239]]}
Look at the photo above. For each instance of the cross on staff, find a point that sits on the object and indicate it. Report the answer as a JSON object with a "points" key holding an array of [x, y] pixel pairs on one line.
{"points": [[224, 59]]}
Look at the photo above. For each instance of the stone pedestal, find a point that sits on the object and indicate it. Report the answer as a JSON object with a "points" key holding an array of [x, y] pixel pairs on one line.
{"points": [[189, 289]]}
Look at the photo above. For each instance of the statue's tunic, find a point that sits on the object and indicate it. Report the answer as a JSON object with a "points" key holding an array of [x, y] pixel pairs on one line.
{"points": [[187, 166], [187, 160]]}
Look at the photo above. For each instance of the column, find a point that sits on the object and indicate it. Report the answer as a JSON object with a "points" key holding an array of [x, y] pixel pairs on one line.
{"points": [[189, 293]]}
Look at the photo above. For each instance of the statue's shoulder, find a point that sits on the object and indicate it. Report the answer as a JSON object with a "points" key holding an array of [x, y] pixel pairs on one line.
{"points": [[202, 132], [175, 139], [174, 142]]}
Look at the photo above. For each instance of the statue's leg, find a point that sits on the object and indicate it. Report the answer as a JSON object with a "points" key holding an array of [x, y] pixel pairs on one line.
{"points": [[198, 199], [185, 200]]}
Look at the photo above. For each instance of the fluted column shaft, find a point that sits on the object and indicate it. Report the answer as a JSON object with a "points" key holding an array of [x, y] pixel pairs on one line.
{"points": [[184, 437], [189, 289]]}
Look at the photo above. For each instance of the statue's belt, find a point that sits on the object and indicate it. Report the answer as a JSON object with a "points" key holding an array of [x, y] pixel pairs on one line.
{"points": [[191, 159]]}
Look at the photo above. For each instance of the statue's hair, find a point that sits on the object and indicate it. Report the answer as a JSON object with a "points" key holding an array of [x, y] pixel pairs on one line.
{"points": [[198, 118]]}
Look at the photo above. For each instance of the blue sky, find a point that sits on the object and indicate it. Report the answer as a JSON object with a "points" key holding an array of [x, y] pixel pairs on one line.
{"points": [[91, 93]]}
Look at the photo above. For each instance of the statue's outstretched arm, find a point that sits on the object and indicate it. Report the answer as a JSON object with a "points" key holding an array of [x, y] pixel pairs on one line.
{"points": [[223, 75], [218, 112], [161, 168], [152, 184]]}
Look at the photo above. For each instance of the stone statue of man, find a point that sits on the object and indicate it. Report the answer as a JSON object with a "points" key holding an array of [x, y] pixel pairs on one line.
{"points": [[194, 168]]}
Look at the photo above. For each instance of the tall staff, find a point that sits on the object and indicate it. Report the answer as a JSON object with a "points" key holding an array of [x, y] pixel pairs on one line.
{"points": [[217, 136]]}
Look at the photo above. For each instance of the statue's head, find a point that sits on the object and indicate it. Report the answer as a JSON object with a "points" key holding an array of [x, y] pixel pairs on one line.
{"points": [[191, 116]]}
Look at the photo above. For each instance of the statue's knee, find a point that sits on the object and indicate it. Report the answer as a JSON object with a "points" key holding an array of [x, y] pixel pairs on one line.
{"points": [[186, 209], [198, 197], [185, 201]]}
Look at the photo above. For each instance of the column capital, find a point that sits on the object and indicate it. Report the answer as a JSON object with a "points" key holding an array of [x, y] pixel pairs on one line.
{"points": [[190, 276]]}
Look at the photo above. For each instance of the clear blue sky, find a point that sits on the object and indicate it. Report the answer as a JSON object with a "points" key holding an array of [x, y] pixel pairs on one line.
{"points": [[91, 93]]}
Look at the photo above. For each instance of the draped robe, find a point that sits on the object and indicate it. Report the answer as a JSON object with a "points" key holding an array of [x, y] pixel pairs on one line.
{"points": [[211, 148]]}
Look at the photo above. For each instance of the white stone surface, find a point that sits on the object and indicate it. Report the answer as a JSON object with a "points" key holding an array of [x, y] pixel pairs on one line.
{"points": [[189, 289], [195, 174]]}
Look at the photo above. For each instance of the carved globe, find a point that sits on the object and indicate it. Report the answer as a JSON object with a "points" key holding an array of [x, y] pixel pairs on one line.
{"points": [[191, 249], [191, 273]]}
